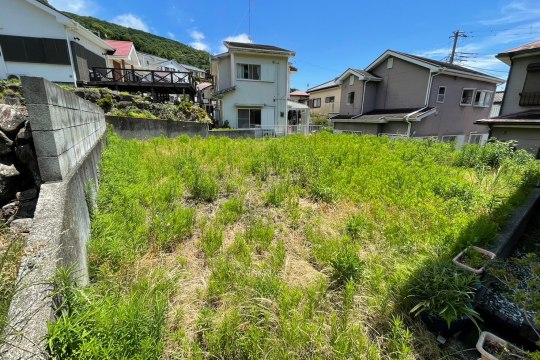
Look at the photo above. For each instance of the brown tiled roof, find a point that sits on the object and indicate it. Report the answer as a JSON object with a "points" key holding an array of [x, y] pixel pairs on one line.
{"points": [[523, 48], [299, 93], [255, 46]]}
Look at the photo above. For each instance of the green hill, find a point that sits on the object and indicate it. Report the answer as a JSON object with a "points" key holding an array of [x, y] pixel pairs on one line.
{"points": [[146, 42]]}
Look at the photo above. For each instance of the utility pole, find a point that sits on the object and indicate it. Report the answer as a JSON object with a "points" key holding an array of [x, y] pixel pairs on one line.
{"points": [[456, 35]]}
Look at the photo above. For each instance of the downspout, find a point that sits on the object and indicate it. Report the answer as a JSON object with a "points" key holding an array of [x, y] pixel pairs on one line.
{"points": [[70, 53], [426, 101]]}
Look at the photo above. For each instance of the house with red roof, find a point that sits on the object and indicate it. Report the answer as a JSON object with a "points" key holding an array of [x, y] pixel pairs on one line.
{"points": [[124, 55], [519, 117]]}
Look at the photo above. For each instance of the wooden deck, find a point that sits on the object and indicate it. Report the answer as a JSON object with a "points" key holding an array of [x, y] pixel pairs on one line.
{"points": [[157, 82]]}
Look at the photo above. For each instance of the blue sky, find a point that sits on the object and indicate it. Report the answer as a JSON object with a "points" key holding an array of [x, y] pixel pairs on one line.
{"points": [[329, 37]]}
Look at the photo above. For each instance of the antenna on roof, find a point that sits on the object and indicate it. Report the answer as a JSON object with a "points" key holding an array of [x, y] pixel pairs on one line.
{"points": [[249, 21]]}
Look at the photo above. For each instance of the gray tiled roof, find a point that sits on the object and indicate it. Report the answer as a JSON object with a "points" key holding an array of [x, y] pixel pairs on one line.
{"points": [[255, 46], [328, 84]]}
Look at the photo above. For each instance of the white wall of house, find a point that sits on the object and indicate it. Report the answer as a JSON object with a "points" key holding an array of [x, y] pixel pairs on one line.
{"points": [[270, 93], [19, 18]]}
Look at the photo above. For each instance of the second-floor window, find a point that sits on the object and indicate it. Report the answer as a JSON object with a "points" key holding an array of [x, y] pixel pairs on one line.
{"points": [[350, 98], [249, 71], [329, 99], [482, 98], [467, 97], [441, 93]]}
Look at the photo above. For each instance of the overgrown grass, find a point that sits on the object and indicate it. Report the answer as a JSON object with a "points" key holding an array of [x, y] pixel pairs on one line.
{"points": [[11, 251], [301, 247]]}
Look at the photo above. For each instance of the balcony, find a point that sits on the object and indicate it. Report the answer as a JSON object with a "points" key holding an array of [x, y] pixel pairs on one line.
{"points": [[157, 82], [529, 99]]}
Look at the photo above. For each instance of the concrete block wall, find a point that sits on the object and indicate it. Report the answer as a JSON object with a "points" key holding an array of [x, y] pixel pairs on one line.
{"points": [[68, 137], [142, 129], [65, 127]]}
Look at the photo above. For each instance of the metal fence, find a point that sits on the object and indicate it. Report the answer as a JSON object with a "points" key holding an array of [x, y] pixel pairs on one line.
{"points": [[282, 130]]}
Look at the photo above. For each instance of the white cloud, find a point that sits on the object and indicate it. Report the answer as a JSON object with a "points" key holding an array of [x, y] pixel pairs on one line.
{"points": [[516, 11], [241, 38], [80, 7], [171, 35], [198, 41], [132, 21]]}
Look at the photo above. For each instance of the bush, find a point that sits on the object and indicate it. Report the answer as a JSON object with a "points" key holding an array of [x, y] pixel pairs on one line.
{"points": [[211, 241], [492, 154], [173, 226], [106, 103]]}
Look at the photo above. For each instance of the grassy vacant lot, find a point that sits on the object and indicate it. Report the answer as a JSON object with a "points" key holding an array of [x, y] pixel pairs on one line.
{"points": [[300, 247]]}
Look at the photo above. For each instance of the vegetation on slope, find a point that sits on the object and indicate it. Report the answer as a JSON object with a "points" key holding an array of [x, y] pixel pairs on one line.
{"points": [[299, 247], [146, 42]]}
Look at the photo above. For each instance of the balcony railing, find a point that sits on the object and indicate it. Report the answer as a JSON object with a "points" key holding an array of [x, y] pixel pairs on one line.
{"points": [[529, 99], [140, 77]]}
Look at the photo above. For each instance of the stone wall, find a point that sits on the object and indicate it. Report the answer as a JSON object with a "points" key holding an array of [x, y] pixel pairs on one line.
{"points": [[69, 150], [142, 129]]}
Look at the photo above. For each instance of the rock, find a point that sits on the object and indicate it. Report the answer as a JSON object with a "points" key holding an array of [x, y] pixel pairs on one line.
{"points": [[124, 104], [27, 208], [10, 209], [26, 155], [12, 100], [11, 119], [26, 195], [9, 181], [5, 144], [21, 225], [126, 97], [25, 134]]}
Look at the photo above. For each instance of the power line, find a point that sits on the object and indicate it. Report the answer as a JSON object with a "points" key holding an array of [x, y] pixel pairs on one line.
{"points": [[456, 35]]}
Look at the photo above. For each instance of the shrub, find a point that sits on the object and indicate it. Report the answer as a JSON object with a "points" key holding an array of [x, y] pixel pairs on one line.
{"points": [[356, 225], [106, 103], [277, 194], [231, 210]]}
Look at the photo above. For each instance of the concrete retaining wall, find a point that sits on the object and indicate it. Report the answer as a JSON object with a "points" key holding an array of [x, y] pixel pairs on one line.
{"points": [[70, 146], [142, 129]]}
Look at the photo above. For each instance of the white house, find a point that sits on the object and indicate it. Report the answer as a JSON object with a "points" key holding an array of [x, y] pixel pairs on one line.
{"points": [[38, 40], [252, 83], [153, 62]]}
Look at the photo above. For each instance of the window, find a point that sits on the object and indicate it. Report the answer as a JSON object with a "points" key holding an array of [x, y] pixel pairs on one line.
{"points": [[467, 97], [249, 118], [390, 63], [350, 98], [441, 93], [476, 139], [249, 71], [316, 103], [329, 99], [351, 80], [34, 50], [449, 138], [482, 98]]}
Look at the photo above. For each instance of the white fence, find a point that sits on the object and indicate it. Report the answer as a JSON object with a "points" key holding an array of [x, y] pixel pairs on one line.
{"points": [[282, 130]]}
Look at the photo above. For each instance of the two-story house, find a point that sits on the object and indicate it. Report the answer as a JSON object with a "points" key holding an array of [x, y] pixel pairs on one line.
{"points": [[252, 84], [405, 95], [325, 98], [38, 40], [519, 117]]}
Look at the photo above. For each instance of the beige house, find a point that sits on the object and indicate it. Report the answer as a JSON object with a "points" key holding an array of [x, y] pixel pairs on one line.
{"points": [[325, 98], [403, 95], [519, 117]]}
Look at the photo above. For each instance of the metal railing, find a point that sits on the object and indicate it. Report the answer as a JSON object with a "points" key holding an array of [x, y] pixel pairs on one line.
{"points": [[120, 75], [282, 130]]}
